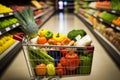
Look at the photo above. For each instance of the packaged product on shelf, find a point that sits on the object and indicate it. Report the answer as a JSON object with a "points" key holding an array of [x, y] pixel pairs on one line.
{"points": [[5, 9], [6, 41]]}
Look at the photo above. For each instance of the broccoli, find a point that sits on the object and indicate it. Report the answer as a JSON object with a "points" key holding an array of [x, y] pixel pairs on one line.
{"points": [[73, 33]]}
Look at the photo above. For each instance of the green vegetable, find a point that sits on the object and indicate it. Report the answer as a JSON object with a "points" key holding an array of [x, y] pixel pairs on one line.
{"points": [[84, 69], [39, 56], [108, 16], [26, 19], [73, 33], [33, 60], [115, 4], [85, 61], [7, 22], [90, 55], [51, 69], [48, 34], [85, 66]]}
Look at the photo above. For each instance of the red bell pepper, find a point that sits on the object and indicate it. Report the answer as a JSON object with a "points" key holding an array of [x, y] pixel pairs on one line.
{"points": [[72, 61], [63, 61]]}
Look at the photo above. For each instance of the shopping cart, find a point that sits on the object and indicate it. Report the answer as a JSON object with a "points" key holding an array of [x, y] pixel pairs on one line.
{"points": [[72, 67]]}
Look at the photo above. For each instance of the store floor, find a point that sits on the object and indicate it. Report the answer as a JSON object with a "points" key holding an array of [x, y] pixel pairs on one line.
{"points": [[103, 66]]}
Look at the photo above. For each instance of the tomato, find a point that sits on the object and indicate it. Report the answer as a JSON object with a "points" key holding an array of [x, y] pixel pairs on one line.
{"points": [[60, 70], [41, 40], [59, 65]]}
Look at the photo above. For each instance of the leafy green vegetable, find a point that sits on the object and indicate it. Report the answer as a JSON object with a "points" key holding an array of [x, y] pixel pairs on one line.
{"points": [[115, 4], [26, 19], [73, 33]]}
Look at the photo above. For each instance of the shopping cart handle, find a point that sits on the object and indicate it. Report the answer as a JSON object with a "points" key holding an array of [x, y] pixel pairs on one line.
{"points": [[19, 36]]}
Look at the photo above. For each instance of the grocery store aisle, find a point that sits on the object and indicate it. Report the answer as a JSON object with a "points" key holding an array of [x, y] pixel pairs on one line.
{"points": [[103, 67]]}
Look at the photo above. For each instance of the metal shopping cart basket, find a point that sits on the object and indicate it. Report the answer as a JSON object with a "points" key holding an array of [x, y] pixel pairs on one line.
{"points": [[78, 62]]}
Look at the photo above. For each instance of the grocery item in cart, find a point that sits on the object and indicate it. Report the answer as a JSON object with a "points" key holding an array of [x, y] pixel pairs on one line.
{"points": [[63, 59]]}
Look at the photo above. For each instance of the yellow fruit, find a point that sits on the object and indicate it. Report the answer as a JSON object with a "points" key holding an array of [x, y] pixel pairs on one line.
{"points": [[1, 50], [1, 42]]}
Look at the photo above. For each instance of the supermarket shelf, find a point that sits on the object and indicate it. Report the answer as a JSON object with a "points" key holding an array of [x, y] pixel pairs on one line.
{"points": [[115, 27], [117, 12], [46, 19], [113, 52], [88, 21], [85, 21], [108, 42], [7, 56], [6, 51], [108, 10], [2, 31], [43, 13], [41, 8], [6, 14], [110, 48]]}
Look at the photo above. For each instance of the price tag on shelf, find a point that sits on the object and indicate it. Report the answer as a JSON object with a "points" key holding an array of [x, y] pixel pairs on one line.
{"points": [[1, 15], [0, 33], [13, 26], [17, 24], [101, 19], [112, 25], [113, 11], [11, 13], [118, 28], [7, 29]]}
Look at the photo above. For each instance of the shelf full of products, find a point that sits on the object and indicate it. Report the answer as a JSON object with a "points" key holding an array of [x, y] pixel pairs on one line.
{"points": [[8, 45], [9, 26], [103, 21], [40, 22]]}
